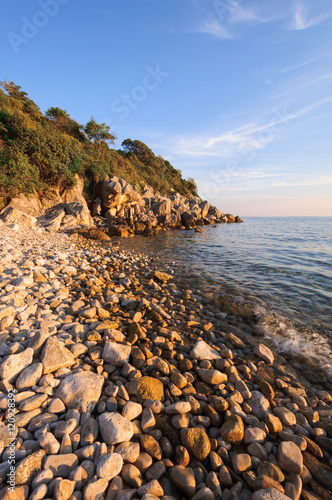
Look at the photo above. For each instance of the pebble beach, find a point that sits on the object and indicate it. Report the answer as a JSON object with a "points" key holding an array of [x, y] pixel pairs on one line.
{"points": [[117, 383]]}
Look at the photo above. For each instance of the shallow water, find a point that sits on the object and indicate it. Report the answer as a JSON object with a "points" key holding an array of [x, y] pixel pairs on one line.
{"points": [[278, 268]]}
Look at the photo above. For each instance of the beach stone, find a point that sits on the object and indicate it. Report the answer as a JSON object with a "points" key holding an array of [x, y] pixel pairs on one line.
{"points": [[254, 435], [55, 355], [129, 451], [149, 388], [202, 350], [273, 423], [61, 465], [286, 416], [241, 462], [259, 404], [15, 364], [95, 489], [19, 493], [197, 442], [321, 472], [184, 480], [269, 469], [29, 467], [49, 444], [63, 489], [30, 376], [290, 457], [116, 354], [8, 434], [212, 377], [131, 410], [151, 446], [264, 353], [81, 391], [109, 466], [179, 408], [204, 494], [132, 476], [269, 494], [114, 428], [152, 488], [266, 389], [258, 451], [233, 429]]}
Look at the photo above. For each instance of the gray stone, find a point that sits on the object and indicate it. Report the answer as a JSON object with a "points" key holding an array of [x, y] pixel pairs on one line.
{"points": [[81, 391], [30, 376], [116, 354], [55, 355], [202, 350], [259, 404], [114, 428], [15, 364], [269, 494]]}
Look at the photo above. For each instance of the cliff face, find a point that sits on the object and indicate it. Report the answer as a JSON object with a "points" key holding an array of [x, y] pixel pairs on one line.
{"points": [[119, 209]]}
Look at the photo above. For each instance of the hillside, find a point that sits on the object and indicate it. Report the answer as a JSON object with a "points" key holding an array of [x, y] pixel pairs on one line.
{"points": [[39, 152]]}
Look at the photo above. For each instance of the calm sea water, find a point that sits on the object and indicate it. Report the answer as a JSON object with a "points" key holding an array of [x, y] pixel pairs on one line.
{"points": [[279, 269]]}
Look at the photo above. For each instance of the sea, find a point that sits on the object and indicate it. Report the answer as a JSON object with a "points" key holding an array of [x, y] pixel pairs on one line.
{"points": [[274, 271]]}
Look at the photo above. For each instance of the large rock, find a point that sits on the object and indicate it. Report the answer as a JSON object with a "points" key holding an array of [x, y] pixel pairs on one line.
{"points": [[15, 364], [74, 193], [53, 217], [11, 215], [114, 428], [28, 205], [55, 355], [162, 208], [117, 192], [116, 354], [80, 212], [204, 206], [202, 350], [81, 391]]}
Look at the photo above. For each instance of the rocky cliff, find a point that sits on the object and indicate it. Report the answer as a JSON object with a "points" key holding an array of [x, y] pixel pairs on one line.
{"points": [[118, 209]]}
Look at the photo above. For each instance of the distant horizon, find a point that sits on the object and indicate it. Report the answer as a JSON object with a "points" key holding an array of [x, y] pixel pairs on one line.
{"points": [[234, 94]]}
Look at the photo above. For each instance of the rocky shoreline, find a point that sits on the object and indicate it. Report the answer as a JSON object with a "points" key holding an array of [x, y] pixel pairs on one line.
{"points": [[118, 384], [116, 208]]}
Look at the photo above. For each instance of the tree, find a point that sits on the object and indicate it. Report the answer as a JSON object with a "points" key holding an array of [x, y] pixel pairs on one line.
{"points": [[141, 150], [62, 121], [99, 134]]}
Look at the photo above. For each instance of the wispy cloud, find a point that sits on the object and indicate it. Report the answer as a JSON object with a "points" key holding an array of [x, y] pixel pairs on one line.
{"points": [[224, 18], [213, 27], [303, 18]]}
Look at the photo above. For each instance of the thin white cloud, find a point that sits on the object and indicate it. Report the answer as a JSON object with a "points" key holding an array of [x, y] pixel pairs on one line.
{"points": [[303, 19], [213, 27], [223, 19]]}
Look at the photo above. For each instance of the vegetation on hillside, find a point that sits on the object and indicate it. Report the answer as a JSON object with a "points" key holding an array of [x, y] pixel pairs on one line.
{"points": [[42, 151]]}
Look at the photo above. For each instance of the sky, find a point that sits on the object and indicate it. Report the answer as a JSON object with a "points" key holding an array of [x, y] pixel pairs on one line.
{"points": [[235, 93]]}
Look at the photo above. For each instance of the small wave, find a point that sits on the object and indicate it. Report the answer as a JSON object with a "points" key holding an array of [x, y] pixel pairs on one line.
{"points": [[304, 345]]}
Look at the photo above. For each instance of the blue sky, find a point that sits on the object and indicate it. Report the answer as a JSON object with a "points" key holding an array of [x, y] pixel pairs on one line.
{"points": [[235, 93]]}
